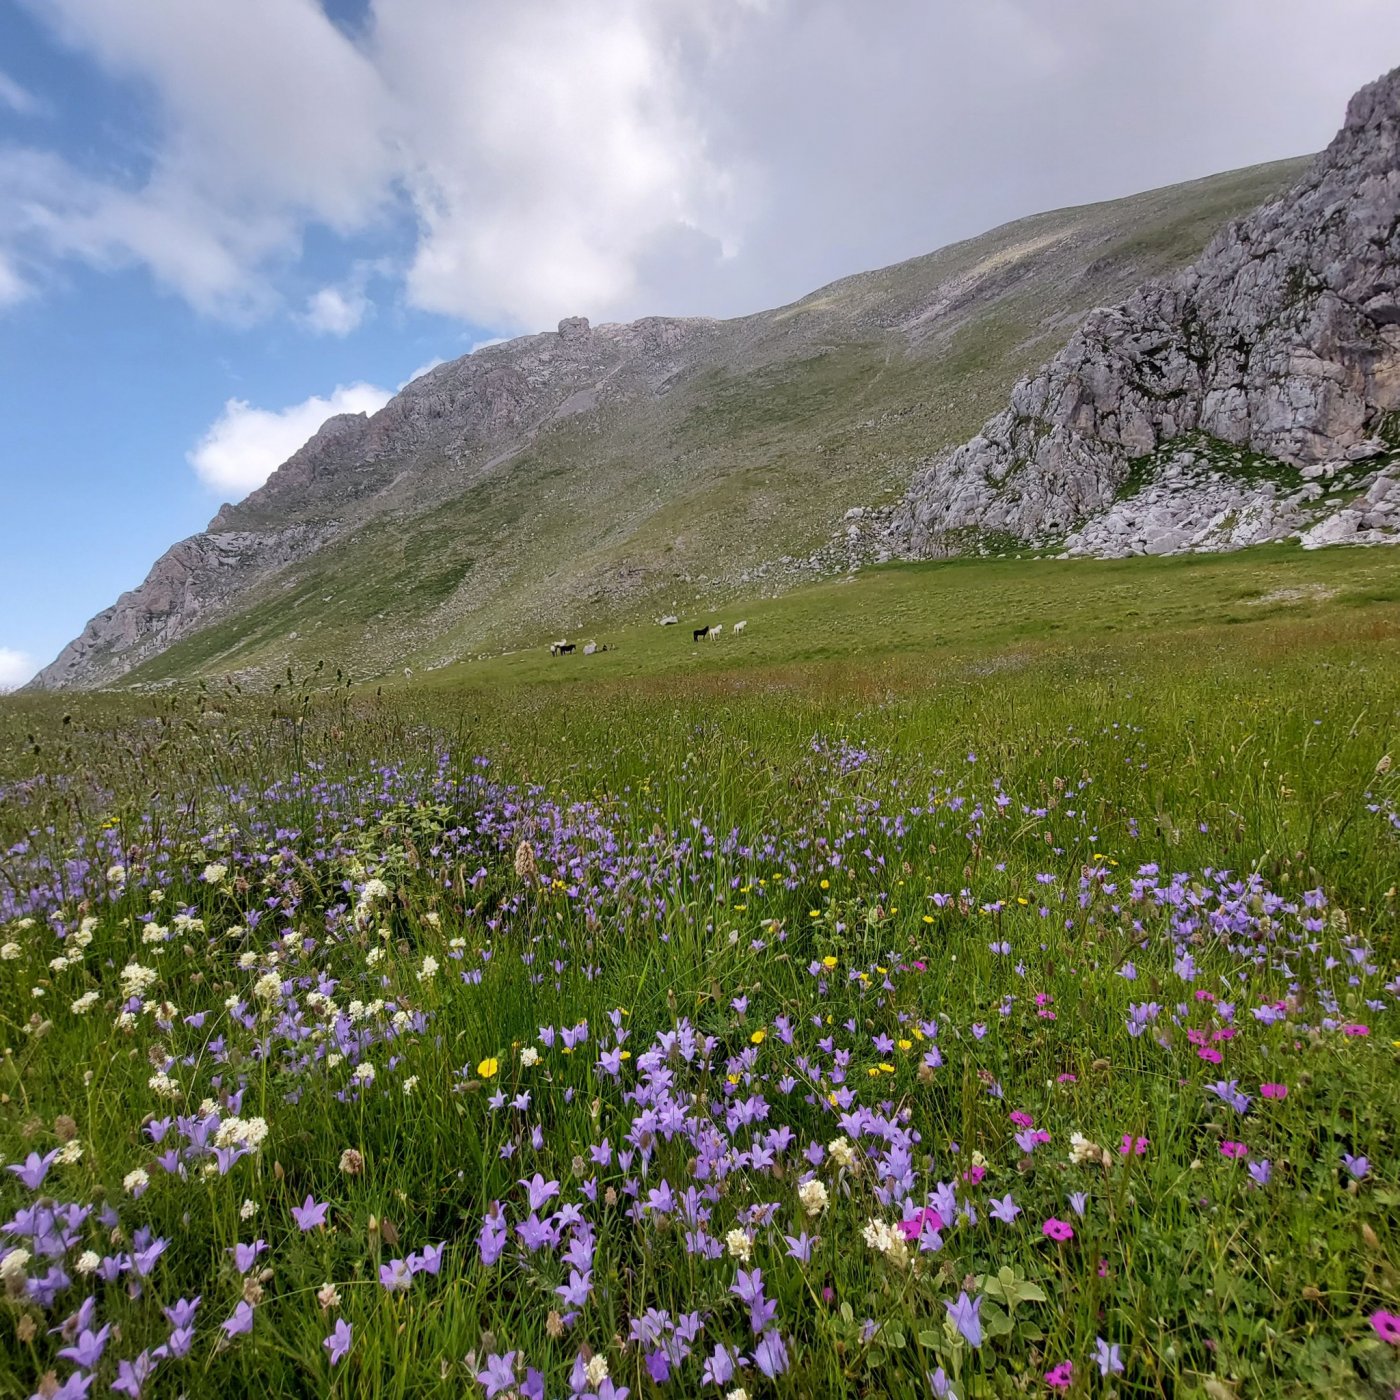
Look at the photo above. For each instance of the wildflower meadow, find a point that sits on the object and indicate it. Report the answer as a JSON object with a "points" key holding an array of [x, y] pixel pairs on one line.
{"points": [[877, 1027]]}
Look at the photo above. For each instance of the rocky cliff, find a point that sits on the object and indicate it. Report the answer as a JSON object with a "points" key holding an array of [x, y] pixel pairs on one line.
{"points": [[1250, 396]]}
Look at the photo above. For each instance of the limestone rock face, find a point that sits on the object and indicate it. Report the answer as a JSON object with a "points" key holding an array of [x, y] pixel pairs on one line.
{"points": [[189, 581], [1283, 338]]}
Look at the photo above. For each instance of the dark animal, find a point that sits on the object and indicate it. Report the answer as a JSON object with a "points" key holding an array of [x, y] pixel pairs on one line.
{"points": [[560, 648], [699, 632], [566, 648]]}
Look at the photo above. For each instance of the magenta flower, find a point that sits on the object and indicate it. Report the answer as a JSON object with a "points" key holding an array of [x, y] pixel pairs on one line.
{"points": [[1133, 1146], [1059, 1230], [1387, 1326], [1233, 1150], [1274, 1091], [1060, 1377], [927, 1218]]}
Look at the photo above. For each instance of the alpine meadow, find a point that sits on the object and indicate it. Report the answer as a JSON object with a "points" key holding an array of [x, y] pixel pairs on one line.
{"points": [[851, 851]]}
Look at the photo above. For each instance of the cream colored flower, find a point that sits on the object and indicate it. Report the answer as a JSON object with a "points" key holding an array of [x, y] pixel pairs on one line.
{"points": [[739, 1243]]}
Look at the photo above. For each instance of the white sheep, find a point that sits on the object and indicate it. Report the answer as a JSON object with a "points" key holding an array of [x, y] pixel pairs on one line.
{"points": [[739, 626]]}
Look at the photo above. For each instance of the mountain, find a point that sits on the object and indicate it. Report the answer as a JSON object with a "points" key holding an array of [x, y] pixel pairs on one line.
{"points": [[1253, 395], [597, 473]]}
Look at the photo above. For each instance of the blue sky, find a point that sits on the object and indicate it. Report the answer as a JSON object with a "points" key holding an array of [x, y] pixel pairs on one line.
{"points": [[220, 222]]}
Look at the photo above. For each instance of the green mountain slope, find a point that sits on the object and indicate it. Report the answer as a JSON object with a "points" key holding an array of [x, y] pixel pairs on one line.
{"points": [[564, 483]]}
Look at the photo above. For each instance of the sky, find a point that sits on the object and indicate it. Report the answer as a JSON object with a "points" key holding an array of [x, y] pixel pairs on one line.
{"points": [[222, 222]]}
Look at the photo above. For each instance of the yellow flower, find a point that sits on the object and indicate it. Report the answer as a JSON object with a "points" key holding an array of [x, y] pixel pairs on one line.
{"points": [[1021, 899], [488, 1067], [758, 1036], [733, 1078], [814, 913], [826, 884], [905, 1044], [829, 961], [886, 1069], [928, 918]]}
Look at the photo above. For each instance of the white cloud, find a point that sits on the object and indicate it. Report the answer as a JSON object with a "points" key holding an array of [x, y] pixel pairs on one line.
{"points": [[245, 445], [16, 667], [613, 157], [12, 286], [16, 98], [336, 310], [551, 145]]}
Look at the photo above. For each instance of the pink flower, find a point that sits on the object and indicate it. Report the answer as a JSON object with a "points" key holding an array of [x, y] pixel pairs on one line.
{"points": [[912, 1228], [1233, 1150], [1210, 1054], [1133, 1146], [1387, 1326], [1060, 1377], [1066, 1079], [1274, 1091], [1060, 1230], [1022, 1120], [1356, 1030]]}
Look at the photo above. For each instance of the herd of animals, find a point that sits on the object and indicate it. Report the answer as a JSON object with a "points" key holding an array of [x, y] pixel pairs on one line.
{"points": [[699, 634]]}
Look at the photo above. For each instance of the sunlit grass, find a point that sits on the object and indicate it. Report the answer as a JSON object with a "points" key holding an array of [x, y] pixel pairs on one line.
{"points": [[895, 895]]}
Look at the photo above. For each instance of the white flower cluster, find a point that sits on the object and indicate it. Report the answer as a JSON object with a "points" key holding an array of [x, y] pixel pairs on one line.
{"points": [[137, 979], [888, 1241], [163, 1085], [247, 1132], [841, 1152], [1083, 1153]]}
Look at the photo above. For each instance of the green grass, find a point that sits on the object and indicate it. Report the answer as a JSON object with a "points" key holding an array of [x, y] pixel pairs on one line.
{"points": [[1132, 713]]}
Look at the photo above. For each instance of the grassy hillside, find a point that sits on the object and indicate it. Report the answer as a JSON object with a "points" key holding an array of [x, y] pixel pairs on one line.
{"points": [[1054, 900], [753, 452]]}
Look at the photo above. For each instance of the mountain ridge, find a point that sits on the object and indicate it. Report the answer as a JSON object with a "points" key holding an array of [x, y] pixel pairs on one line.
{"points": [[753, 436]]}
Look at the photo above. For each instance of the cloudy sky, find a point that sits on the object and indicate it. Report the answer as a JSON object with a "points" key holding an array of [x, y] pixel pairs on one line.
{"points": [[221, 222]]}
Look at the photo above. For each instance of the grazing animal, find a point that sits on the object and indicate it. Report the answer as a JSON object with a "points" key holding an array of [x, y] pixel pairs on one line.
{"points": [[739, 626], [590, 648], [408, 672], [699, 634], [669, 621], [560, 648], [566, 648], [716, 629]]}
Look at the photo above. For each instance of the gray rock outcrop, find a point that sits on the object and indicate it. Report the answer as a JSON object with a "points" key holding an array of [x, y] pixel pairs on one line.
{"points": [[1283, 338]]}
